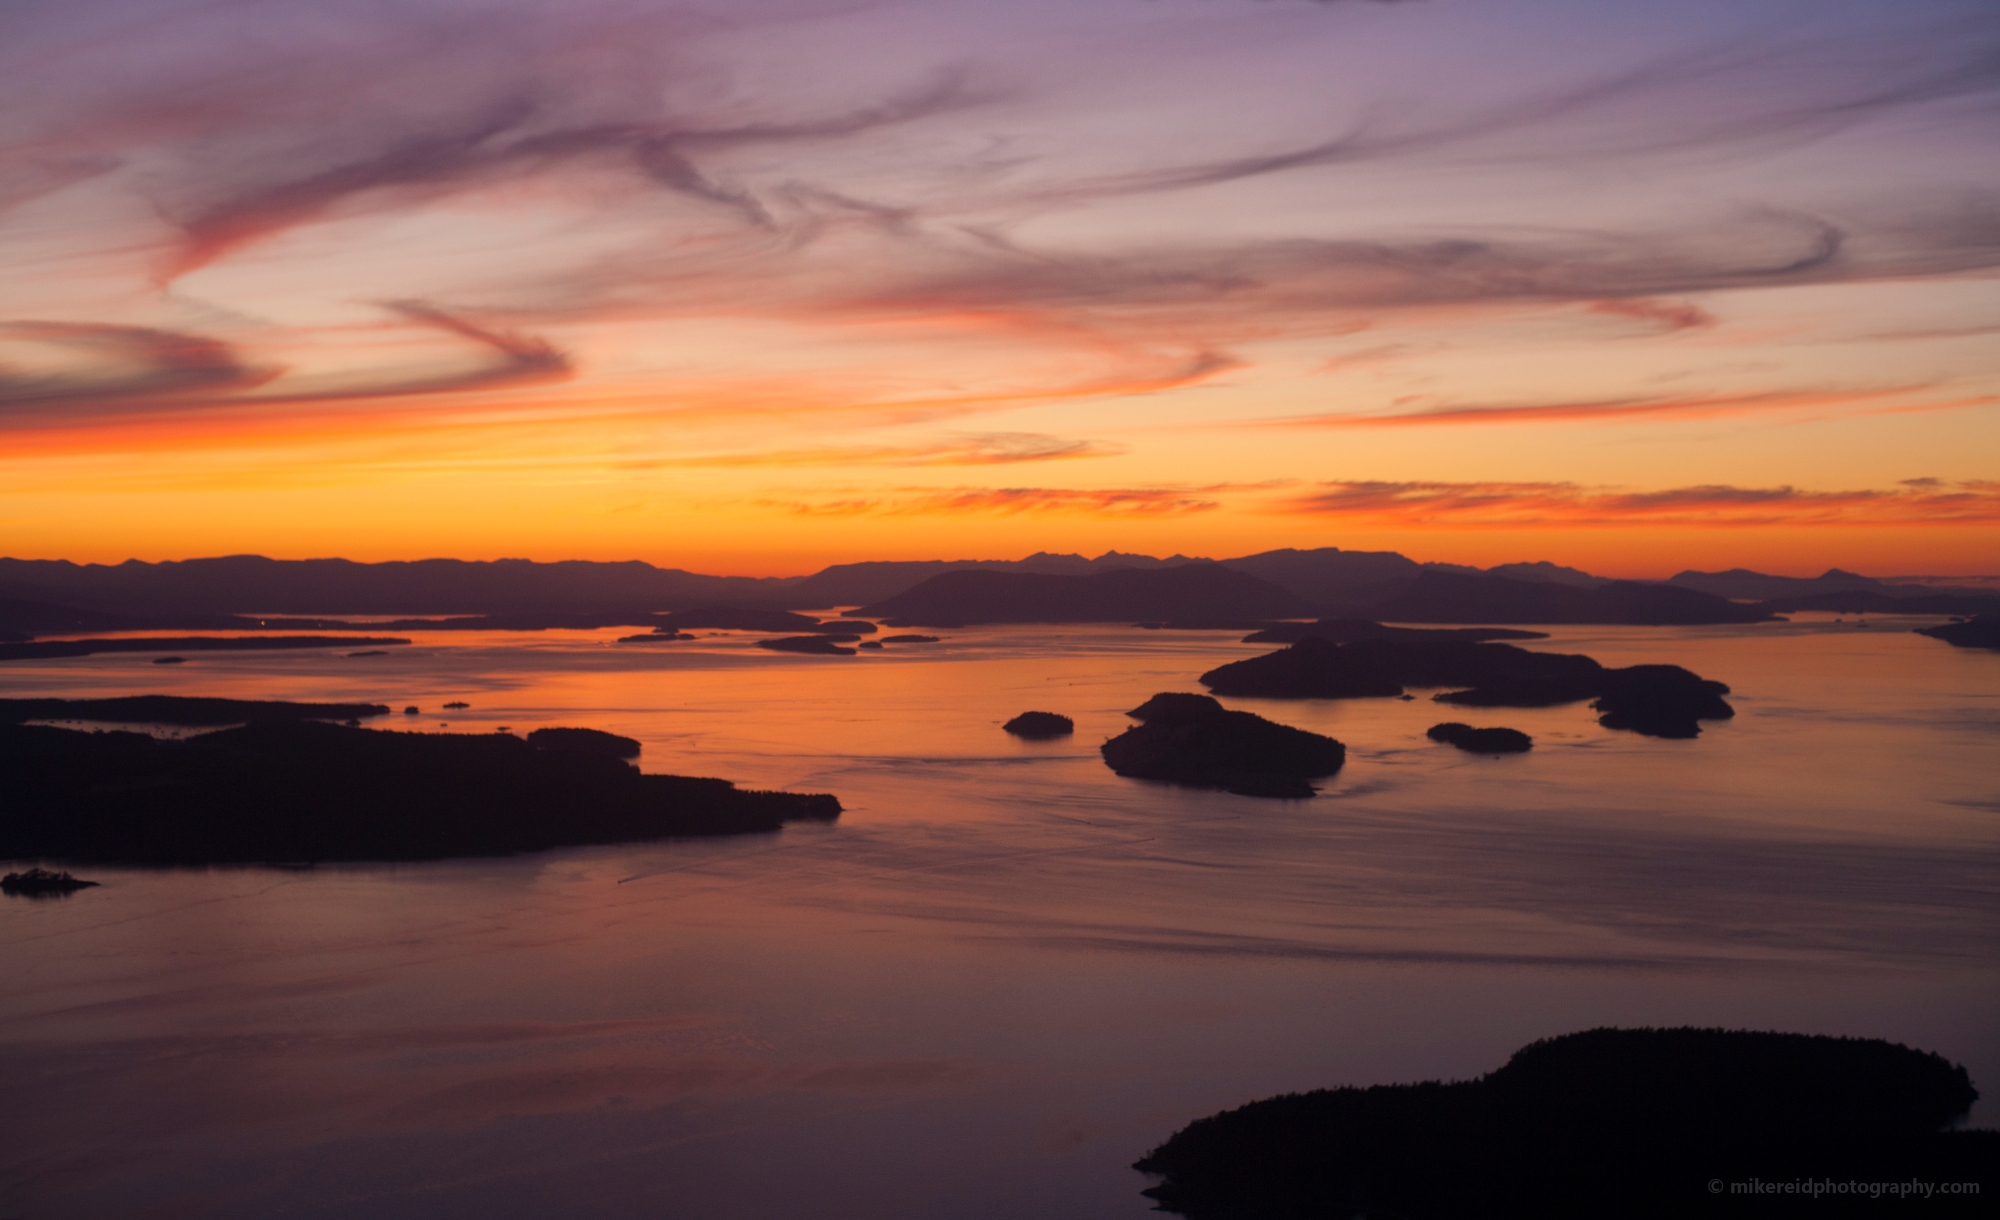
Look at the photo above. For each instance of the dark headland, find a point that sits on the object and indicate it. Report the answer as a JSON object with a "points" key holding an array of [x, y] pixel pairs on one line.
{"points": [[42, 883], [1982, 631], [1348, 630], [811, 645], [1189, 592], [1193, 741], [736, 618], [42, 650], [1451, 597], [288, 788], [1646, 1123], [180, 710], [1655, 700], [585, 741], [1226, 594]]}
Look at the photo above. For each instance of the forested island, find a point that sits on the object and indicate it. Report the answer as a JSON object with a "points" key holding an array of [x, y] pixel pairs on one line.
{"points": [[1196, 592], [1481, 741], [1040, 726], [1646, 1123], [288, 788], [42, 650], [182, 710], [1654, 700], [1194, 741], [1347, 630]]}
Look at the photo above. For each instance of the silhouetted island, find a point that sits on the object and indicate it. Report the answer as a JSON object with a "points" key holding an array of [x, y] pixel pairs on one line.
{"points": [[54, 597], [1481, 741], [340, 586], [585, 741], [1038, 726], [1653, 700], [1193, 741], [662, 636], [1867, 601], [1195, 591], [911, 639], [846, 626], [811, 645], [736, 618], [302, 790], [1656, 700], [1452, 597], [48, 649], [1347, 630], [179, 710], [1982, 631], [1647, 1123], [169, 660], [40, 883]]}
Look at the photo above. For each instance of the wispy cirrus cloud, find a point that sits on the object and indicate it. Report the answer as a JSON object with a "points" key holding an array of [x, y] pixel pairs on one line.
{"points": [[988, 449], [1665, 316], [775, 234], [1177, 501], [235, 154], [1501, 505], [98, 366], [1728, 96], [513, 137], [115, 370], [523, 359], [1895, 399]]}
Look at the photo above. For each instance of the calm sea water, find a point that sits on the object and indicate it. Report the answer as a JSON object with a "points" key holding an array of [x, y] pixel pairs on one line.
{"points": [[1005, 973]]}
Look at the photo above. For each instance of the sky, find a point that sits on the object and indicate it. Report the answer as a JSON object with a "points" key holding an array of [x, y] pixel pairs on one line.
{"points": [[759, 286]]}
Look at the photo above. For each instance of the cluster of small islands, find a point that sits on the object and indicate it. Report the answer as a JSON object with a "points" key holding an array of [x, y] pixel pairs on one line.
{"points": [[303, 782], [1191, 739], [1644, 1122]]}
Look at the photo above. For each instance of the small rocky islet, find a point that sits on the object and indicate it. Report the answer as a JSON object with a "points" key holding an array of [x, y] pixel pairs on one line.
{"points": [[1481, 741], [1040, 726]]}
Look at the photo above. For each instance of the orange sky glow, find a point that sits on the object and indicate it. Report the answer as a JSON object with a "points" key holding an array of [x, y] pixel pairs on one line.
{"points": [[817, 283]]}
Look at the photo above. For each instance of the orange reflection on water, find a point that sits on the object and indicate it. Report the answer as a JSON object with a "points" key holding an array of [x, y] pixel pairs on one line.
{"points": [[1002, 961]]}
